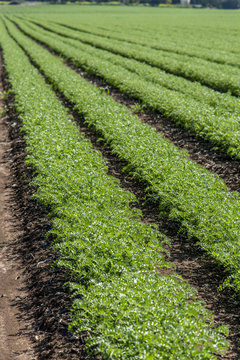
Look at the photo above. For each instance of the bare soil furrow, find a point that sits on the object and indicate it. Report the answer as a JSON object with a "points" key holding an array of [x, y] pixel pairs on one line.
{"points": [[15, 333]]}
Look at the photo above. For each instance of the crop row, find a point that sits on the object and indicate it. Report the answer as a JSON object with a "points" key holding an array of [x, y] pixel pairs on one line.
{"points": [[168, 26], [195, 90], [114, 261], [186, 192], [220, 127], [218, 76], [183, 37], [159, 43]]}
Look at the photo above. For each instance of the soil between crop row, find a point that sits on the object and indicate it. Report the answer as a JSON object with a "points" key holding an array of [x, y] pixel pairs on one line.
{"points": [[15, 339], [191, 262]]}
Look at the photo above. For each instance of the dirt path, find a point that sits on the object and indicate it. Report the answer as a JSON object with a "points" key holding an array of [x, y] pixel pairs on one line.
{"points": [[15, 332]]}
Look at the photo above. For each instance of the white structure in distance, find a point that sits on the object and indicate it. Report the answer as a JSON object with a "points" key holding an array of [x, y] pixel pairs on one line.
{"points": [[185, 2]]}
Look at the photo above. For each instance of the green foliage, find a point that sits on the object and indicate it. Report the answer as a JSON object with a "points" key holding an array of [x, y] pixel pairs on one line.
{"points": [[216, 75], [217, 120], [231, 4], [115, 262], [193, 90], [143, 338], [186, 192], [152, 74]]}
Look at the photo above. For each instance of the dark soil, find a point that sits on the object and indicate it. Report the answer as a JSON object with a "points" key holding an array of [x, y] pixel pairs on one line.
{"points": [[15, 334]]}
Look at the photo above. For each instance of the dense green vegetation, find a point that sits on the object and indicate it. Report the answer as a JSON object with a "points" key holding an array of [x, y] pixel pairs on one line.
{"points": [[218, 76], [220, 4], [222, 56], [125, 293], [151, 73], [114, 261], [186, 192], [218, 125], [215, 31]]}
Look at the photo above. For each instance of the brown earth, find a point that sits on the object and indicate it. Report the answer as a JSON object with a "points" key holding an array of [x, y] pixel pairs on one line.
{"points": [[15, 342]]}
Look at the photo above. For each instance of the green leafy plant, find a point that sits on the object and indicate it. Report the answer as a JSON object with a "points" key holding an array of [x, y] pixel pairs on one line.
{"points": [[129, 308], [217, 121], [185, 192]]}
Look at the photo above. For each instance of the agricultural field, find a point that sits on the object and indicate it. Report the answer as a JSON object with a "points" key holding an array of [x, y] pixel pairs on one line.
{"points": [[124, 124]]}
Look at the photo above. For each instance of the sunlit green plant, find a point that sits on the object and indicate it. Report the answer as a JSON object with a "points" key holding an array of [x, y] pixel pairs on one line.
{"points": [[115, 263]]}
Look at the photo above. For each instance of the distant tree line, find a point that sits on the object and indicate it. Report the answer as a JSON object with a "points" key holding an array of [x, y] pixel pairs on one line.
{"points": [[220, 4]]}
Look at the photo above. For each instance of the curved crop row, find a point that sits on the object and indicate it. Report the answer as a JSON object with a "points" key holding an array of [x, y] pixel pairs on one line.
{"points": [[186, 192], [218, 76], [155, 42], [115, 261], [165, 26], [221, 102], [159, 43], [222, 129]]}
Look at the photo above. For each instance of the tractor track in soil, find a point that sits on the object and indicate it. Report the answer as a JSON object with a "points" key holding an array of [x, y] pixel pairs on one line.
{"points": [[15, 342], [191, 262]]}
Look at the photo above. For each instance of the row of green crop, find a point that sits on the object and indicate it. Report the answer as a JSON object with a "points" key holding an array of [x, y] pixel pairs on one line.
{"points": [[219, 126], [218, 76], [158, 43], [114, 260], [168, 45], [168, 38], [186, 192], [195, 90], [185, 38], [220, 102], [210, 30]]}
